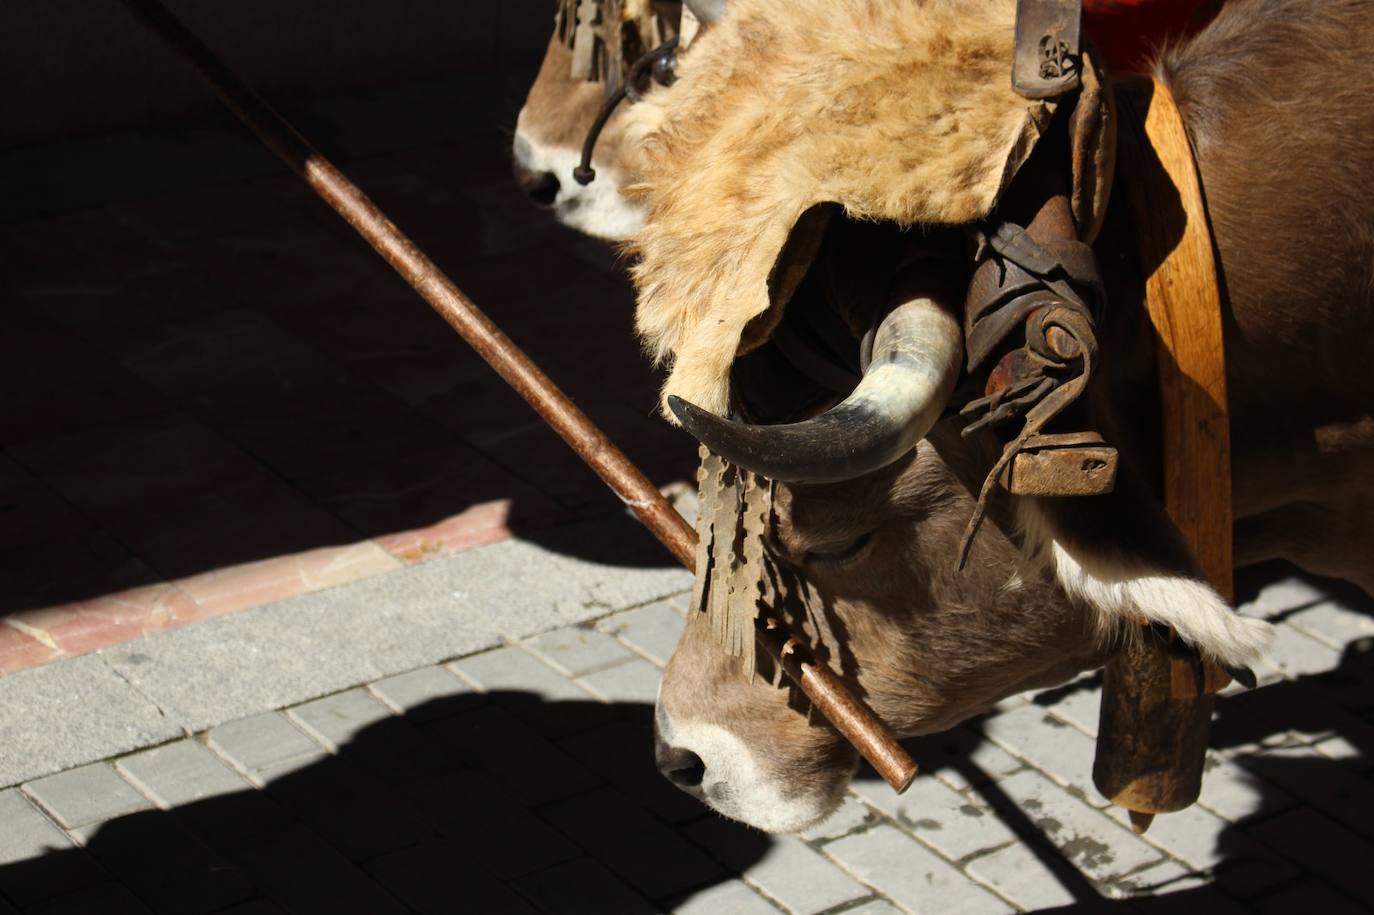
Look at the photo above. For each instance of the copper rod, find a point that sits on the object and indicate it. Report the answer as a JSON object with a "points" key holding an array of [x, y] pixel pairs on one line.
{"points": [[829, 696]]}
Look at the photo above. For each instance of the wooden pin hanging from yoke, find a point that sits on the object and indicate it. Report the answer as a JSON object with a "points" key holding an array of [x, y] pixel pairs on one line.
{"points": [[585, 40]]}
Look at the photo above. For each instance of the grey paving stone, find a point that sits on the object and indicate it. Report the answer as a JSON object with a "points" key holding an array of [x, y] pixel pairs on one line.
{"points": [[646, 854], [1097, 845], [91, 794], [1161, 879], [685, 501], [954, 824], [531, 587], [1334, 789], [851, 815], [509, 750], [1062, 752], [513, 668], [1076, 702], [38, 860], [574, 651], [1019, 874], [69, 713], [1205, 841], [581, 887], [961, 756], [27, 833], [1312, 717], [1282, 595], [255, 907], [1324, 847], [179, 773], [1171, 887], [912, 876], [263, 744], [1308, 896], [732, 897], [107, 899], [876, 907], [785, 868], [1340, 749], [1333, 623], [653, 630], [622, 753], [1234, 793], [308, 646], [335, 720], [439, 879], [633, 681], [426, 693], [1293, 654], [164, 865]]}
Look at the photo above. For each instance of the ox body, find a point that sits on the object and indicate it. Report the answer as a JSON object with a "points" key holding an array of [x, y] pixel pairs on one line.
{"points": [[1278, 99]]}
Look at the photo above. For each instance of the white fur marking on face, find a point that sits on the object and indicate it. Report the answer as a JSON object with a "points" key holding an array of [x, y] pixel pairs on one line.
{"points": [[736, 786], [598, 208], [1196, 612]]}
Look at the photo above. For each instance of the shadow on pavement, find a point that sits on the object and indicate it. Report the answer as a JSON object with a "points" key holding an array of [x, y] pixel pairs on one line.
{"points": [[217, 371], [1310, 809], [507, 802], [503, 803]]}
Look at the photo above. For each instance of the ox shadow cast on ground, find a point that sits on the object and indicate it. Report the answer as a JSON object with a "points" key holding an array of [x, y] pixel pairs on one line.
{"points": [[506, 802], [503, 803]]}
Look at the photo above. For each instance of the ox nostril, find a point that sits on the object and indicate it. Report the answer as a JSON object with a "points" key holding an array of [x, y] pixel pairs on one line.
{"points": [[545, 191], [681, 767], [540, 187]]}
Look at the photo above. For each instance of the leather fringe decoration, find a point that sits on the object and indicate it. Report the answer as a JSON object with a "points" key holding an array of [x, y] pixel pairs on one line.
{"points": [[731, 516]]}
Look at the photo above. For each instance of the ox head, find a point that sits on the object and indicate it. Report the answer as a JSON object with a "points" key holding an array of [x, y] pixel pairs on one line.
{"points": [[819, 186], [591, 54]]}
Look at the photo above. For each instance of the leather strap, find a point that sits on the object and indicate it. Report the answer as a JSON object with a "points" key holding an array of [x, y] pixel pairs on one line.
{"points": [[1183, 299]]}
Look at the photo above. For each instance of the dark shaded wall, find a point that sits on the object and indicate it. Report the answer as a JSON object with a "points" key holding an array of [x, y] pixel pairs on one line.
{"points": [[71, 67]]}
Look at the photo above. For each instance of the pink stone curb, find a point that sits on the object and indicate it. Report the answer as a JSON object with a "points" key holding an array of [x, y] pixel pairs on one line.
{"points": [[34, 637]]}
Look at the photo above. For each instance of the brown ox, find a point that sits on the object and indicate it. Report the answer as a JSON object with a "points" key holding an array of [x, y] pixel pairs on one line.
{"points": [[898, 110], [1277, 96], [563, 104]]}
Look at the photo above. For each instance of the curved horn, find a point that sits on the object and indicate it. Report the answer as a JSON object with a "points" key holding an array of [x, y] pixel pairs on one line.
{"points": [[706, 11], [916, 358]]}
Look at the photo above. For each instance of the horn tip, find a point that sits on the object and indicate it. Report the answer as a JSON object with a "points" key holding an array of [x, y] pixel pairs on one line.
{"points": [[686, 412]]}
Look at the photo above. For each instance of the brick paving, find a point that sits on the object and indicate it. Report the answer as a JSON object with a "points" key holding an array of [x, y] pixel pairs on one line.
{"points": [[216, 398], [518, 778]]}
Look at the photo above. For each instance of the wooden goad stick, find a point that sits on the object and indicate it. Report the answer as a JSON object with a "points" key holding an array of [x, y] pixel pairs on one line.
{"points": [[827, 694]]}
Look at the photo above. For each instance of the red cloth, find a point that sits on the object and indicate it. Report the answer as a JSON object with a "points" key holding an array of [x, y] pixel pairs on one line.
{"points": [[1127, 32]]}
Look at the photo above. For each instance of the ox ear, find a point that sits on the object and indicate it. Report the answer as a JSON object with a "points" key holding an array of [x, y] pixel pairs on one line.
{"points": [[1092, 146], [1121, 555], [790, 268]]}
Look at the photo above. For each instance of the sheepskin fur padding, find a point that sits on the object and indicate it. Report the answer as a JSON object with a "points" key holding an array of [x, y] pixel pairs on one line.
{"points": [[895, 109]]}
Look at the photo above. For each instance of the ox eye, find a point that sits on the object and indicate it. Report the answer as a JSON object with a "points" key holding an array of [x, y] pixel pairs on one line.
{"points": [[839, 552]]}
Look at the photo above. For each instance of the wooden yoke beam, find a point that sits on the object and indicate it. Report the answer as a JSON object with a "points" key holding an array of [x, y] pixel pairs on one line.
{"points": [[1157, 698]]}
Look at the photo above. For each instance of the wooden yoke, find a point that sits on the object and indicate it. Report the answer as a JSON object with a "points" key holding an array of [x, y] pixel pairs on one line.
{"points": [[1157, 697]]}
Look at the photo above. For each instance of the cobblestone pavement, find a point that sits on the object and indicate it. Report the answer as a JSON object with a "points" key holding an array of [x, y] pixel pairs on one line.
{"points": [[468, 730], [515, 775]]}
